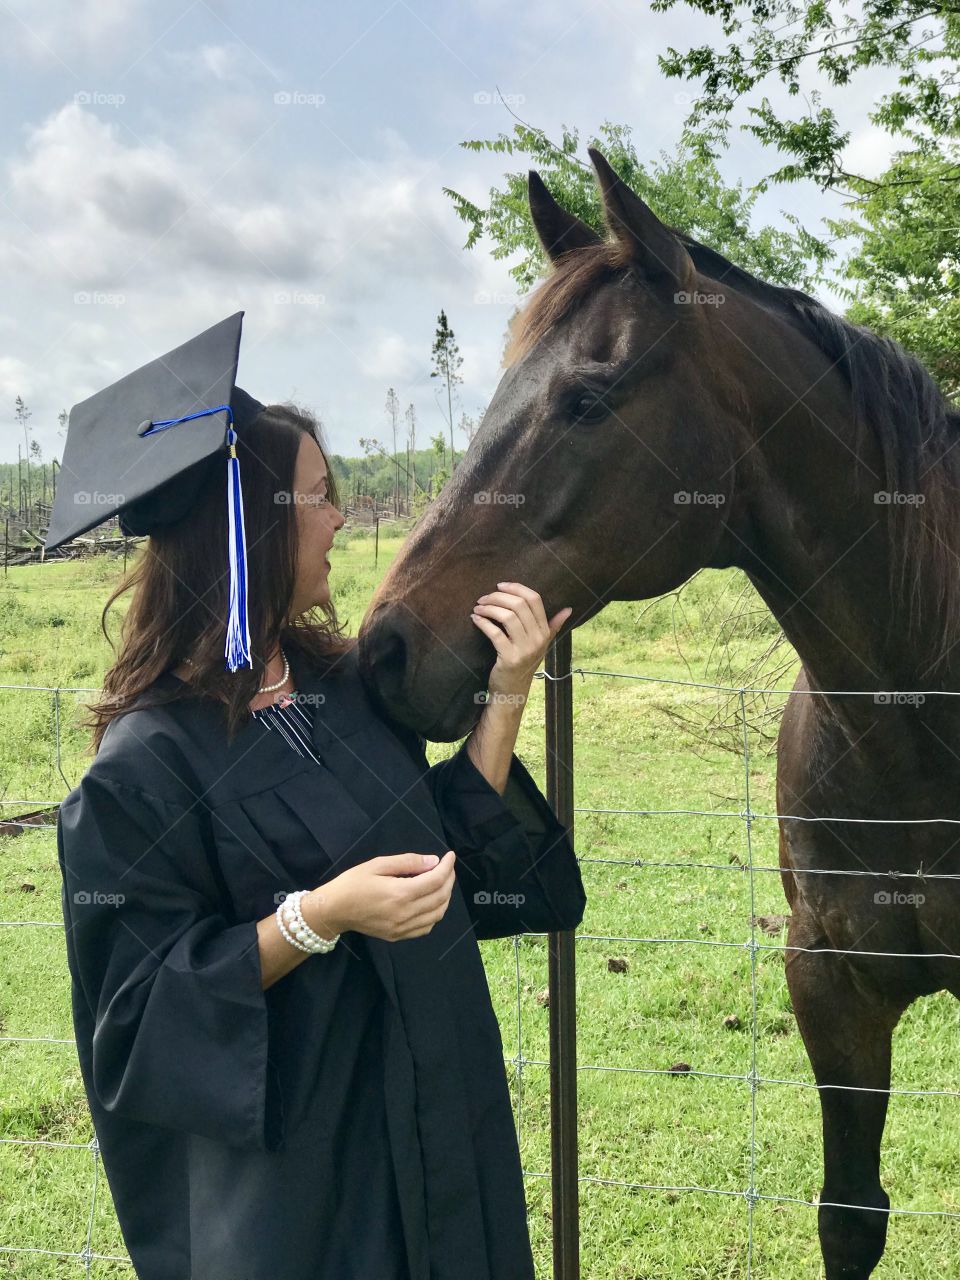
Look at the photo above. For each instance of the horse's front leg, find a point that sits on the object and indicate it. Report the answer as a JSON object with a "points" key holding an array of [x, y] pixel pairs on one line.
{"points": [[847, 1036]]}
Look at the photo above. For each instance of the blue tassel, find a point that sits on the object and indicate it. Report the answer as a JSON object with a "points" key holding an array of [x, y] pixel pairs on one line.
{"points": [[237, 649]]}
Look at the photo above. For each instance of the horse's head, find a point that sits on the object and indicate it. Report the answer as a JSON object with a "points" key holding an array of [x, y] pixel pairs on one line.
{"points": [[593, 476]]}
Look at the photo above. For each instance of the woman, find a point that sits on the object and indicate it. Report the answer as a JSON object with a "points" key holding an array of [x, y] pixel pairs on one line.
{"points": [[284, 1097]]}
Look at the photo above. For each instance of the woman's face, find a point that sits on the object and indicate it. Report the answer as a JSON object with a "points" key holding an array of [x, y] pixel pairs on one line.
{"points": [[317, 521]]}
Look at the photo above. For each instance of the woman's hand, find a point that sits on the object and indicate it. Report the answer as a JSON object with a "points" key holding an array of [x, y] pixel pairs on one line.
{"points": [[514, 620], [399, 896]]}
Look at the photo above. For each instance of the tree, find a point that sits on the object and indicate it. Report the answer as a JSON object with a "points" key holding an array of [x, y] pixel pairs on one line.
{"points": [[685, 190], [468, 426], [22, 415], [36, 457], [906, 271], [441, 475], [411, 416], [384, 468], [773, 43], [446, 366], [393, 410]]}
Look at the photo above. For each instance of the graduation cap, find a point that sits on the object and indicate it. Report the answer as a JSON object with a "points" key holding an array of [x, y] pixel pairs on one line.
{"points": [[143, 446]]}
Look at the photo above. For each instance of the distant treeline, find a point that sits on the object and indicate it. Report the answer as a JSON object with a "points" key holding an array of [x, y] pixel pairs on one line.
{"points": [[424, 473], [23, 486]]}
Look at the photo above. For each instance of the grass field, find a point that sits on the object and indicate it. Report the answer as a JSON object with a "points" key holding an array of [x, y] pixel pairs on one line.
{"points": [[636, 748]]}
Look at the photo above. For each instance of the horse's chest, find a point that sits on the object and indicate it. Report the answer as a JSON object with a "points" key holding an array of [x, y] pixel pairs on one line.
{"points": [[881, 888]]}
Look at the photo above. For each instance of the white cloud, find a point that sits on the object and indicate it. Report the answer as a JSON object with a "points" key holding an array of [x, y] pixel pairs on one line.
{"points": [[113, 211], [364, 254], [391, 358], [15, 378], [230, 62], [63, 33], [92, 204], [869, 151]]}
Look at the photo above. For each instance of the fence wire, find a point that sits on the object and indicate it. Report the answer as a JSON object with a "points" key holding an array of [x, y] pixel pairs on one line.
{"points": [[753, 1080]]}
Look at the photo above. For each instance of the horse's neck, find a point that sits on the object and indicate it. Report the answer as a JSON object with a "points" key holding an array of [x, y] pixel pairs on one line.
{"points": [[836, 620], [815, 543]]}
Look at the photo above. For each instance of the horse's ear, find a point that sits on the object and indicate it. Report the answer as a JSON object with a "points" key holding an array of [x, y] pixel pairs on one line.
{"points": [[662, 258], [558, 230]]}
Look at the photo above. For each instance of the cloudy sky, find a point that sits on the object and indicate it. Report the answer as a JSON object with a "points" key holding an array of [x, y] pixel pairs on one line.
{"points": [[165, 164]]}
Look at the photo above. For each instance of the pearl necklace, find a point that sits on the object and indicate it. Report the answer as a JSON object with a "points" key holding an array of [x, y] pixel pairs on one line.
{"points": [[269, 688], [266, 688]]}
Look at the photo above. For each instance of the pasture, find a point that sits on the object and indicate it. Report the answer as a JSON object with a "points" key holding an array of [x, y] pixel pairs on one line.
{"points": [[699, 1138]]}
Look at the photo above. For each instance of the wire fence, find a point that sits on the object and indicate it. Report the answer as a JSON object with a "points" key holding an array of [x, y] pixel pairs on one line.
{"points": [[562, 1063], [566, 1259]]}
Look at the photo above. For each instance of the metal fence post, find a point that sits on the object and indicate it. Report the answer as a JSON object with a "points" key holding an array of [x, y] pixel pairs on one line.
{"points": [[562, 976]]}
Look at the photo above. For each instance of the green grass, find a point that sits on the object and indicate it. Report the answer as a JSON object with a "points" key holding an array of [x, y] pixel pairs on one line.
{"points": [[669, 1005]]}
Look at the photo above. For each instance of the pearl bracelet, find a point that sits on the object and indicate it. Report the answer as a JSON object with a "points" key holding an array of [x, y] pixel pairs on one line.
{"points": [[286, 932], [312, 939], [296, 930]]}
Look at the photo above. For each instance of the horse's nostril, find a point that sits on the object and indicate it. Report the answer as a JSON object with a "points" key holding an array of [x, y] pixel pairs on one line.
{"points": [[388, 662]]}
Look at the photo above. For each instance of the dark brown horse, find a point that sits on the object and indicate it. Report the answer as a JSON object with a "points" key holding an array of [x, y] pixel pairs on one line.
{"points": [[661, 411]]}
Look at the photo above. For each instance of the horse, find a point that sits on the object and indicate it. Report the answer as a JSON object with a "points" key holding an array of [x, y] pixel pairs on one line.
{"points": [[662, 410]]}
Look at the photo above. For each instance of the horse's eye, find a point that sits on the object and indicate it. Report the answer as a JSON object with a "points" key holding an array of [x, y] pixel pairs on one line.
{"points": [[589, 408]]}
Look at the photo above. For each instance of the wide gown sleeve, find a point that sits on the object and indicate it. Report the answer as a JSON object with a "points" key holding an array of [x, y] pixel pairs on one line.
{"points": [[168, 991], [515, 863]]}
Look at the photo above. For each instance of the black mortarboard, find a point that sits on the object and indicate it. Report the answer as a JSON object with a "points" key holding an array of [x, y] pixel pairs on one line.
{"points": [[122, 455]]}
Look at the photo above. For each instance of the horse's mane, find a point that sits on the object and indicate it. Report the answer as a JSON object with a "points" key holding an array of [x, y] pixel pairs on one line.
{"points": [[893, 397]]}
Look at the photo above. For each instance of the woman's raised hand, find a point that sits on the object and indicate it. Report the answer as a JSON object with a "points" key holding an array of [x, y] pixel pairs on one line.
{"points": [[401, 895], [514, 621]]}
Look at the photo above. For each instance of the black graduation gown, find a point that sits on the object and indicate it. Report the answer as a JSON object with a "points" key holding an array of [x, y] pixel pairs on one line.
{"points": [[351, 1122]]}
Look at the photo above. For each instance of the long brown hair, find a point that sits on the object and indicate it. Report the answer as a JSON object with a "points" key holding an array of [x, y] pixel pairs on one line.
{"points": [[180, 585]]}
